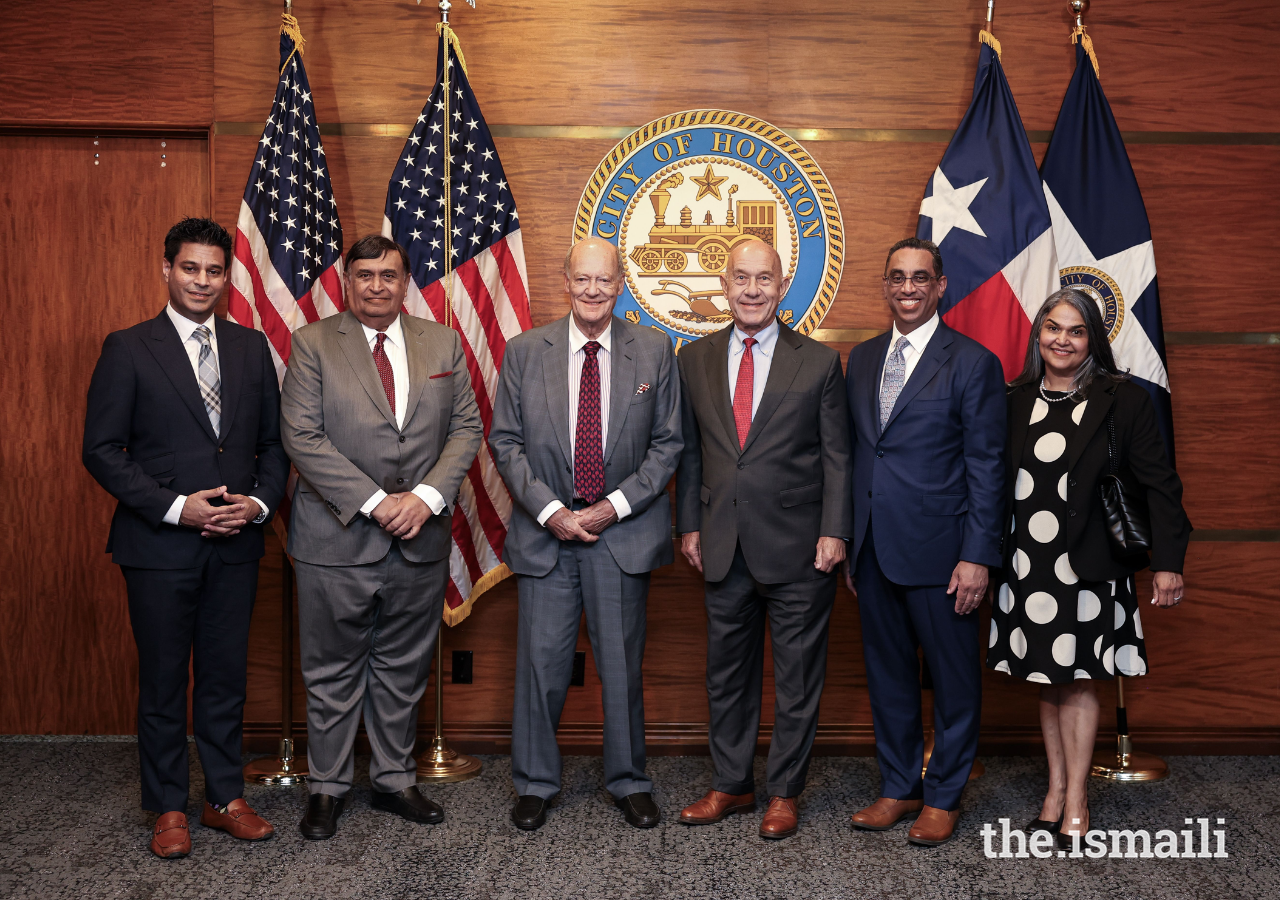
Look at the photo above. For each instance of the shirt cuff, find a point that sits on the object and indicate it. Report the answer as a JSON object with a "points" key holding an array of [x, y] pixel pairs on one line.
{"points": [[620, 504], [174, 515], [262, 516], [548, 511], [430, 496], [372, 503]]}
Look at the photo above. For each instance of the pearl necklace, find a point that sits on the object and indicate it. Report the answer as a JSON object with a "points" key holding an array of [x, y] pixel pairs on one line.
{"points": [[1066, 396]]}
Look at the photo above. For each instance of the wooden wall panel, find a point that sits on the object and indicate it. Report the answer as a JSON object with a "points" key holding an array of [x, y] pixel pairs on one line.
{"points": [[83, 247], [99, 62]]}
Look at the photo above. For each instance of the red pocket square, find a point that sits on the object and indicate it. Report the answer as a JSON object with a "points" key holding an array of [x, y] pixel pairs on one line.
{"points": [[442, 375], [643, 387]]}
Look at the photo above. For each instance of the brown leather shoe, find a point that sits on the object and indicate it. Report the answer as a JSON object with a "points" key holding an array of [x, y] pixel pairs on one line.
{"points": [[781, 819], [171, 838], [934, 826], [885, 813], [239, 820], [716, 805]]}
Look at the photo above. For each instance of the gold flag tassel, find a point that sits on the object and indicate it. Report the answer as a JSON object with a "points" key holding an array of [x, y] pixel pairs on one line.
{"points": [[986, 37], [1078, 34], [489, 579], [452, 38], [289, 26]]}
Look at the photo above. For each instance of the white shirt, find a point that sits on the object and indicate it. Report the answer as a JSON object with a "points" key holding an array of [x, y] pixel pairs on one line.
{"points": [[916, 342], [394, 348], [186, 328], [578, 356], [761, 359]]}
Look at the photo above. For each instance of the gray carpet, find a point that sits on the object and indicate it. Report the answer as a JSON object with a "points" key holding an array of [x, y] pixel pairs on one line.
{"points": [[70, 827]]}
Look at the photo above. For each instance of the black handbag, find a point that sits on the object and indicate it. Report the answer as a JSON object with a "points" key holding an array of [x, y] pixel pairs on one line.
{"points": [[1128, 520]]}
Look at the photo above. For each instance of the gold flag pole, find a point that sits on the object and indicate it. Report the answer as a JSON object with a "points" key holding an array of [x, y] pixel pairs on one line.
{"points": [[440, 763], [1124, 763]]}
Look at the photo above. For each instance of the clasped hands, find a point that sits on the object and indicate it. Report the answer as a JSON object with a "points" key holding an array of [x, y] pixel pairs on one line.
{"points": [[584, 524], [402, 515], [218, 521]]}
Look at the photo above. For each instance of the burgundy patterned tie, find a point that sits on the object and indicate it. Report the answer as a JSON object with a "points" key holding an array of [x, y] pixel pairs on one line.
{"points": [[384, 371], [744, 393], [588, 455]]}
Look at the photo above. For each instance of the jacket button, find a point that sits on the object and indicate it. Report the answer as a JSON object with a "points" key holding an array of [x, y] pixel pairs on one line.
{"points": [[399, 481], [742, 465], [1072, 482], [879, 454], [1071, 512], [868, 493], [402, 438], [219, 449]]}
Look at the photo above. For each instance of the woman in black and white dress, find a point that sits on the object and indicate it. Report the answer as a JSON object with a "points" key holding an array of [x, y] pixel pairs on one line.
{"points": [[1065, 614]]}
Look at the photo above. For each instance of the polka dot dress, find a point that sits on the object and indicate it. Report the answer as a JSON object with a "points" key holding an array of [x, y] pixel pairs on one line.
{"points": [[1048, 626]]}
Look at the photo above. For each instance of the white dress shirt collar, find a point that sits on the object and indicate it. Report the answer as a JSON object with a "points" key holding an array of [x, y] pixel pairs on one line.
{"points": [[186, 327], [578, 340], [394, 333], [766, 339], [918, 339]]}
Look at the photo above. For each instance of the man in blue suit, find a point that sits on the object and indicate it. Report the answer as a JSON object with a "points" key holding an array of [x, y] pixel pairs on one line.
{"points": [[928, 413]]}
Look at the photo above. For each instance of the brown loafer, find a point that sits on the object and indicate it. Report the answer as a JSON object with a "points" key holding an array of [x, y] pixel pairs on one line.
{"points": [[885, 813], [781, 819], [716, 805], [237, 819], [934, 826], [171, 838]]}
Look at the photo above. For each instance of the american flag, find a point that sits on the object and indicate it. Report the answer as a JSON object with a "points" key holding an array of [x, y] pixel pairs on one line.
{"points": [[477, 222], [287, 269]]}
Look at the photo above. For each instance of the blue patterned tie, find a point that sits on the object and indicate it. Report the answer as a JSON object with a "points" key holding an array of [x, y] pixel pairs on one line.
{"points": [[895, 376], [210, 383]]}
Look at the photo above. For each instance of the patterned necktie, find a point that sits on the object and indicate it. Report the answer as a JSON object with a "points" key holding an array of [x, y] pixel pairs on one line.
{"points": [[210, 383], [744, 392], [895, 376], [384, 371], [588, 455]]}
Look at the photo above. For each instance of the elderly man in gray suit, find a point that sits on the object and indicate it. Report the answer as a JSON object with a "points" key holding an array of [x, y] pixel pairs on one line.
{"points": [[764, 505], [586, 434], [378, 415]]}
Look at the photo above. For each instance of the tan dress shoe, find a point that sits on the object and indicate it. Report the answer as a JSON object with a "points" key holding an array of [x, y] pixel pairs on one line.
{"points": [[237, 819], [781, 819], [934, 826], [171, 838], [885, 813], [716, 805]]}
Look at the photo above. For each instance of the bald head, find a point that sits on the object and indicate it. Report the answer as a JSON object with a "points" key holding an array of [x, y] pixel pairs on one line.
{"points": [[753, 284], [756, 250], [593, 279], [594, 246]]}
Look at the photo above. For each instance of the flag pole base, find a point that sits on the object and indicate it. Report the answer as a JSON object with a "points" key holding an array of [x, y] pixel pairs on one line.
{"points": [[975, 773], [441, 764], [1127, 765], [282, 771]]}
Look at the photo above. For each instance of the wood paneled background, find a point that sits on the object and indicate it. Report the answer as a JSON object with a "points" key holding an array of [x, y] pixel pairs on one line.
{"points": [[81, 252]]}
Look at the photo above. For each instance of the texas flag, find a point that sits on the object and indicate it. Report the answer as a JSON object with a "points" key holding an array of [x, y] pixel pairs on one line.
{"points": [[1102, 234], [985, 210]]}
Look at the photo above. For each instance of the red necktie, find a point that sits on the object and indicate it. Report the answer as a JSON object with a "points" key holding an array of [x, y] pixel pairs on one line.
{"points": [[744, 393], [384, 372], [588, 455]]}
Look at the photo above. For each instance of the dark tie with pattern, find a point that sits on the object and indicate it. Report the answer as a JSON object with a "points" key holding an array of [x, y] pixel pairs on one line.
{"points": [[384, 371], [588, 455], [744, 393]]}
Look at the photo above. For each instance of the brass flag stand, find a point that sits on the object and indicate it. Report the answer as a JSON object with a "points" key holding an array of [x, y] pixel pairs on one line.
{"points": [[441, 764], [1124, 763], [286, 769]]}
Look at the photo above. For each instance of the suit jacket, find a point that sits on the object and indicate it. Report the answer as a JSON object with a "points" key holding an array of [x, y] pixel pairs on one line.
{"points": [[933, 483], [1144, 471], [530, 443], [789, 484], [147, 439], [339, 430]]}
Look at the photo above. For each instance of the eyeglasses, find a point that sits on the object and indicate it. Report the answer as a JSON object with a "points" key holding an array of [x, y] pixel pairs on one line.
{"points": [[919, 279]]}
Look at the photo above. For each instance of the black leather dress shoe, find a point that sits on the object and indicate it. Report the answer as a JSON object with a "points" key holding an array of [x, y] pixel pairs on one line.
{"points": [[321, 820], [639, 809], [529, 813], [409, 804]]}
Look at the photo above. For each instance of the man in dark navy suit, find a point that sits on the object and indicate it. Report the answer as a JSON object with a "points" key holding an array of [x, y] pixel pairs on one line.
{"points": [[928, 412], [183, 429]]}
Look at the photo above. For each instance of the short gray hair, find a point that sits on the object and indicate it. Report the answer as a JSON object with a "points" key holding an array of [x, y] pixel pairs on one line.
{"points": [[619, 259]]}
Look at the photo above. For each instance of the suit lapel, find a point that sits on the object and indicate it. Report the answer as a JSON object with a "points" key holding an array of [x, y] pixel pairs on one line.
{"points": [[415, 352], [356, 349], [622, 382], [230, 371], [935, 355], [166, 347], [555, 378], [1024, 398], [782, 372], [1101, 397], [717, 379], [872, 366]]}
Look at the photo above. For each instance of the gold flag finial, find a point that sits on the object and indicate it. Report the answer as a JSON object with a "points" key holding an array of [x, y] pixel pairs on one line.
{"points": [[1078, 8], [985, 36]]}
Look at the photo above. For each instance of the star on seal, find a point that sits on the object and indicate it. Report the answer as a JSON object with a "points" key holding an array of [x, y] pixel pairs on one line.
{"points": [[709, 184]]}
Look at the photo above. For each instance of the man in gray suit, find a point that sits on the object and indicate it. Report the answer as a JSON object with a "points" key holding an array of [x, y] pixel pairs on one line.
{"points": [[378, 416], [764, 506], [586, 434]]}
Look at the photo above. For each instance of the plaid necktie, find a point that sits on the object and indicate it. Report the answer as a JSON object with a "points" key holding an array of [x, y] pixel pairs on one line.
{"points": [[210, 384], [588, 455], [895, 376], [744, 392]]}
